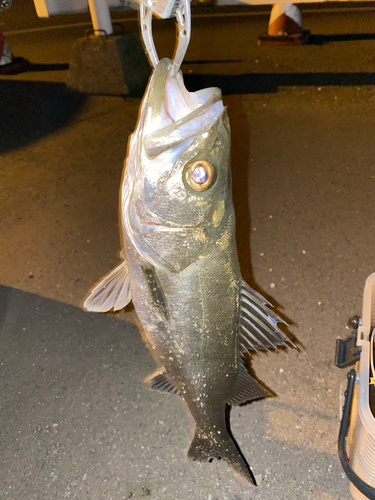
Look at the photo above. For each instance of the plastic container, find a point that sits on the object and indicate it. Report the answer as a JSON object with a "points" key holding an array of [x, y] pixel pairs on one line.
{"points": [[361, 438]]}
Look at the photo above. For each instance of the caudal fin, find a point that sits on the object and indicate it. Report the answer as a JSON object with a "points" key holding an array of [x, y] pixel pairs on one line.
{"points": [[219, 445]]}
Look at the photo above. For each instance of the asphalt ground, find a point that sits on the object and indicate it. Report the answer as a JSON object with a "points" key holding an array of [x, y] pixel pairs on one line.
{"points": [[77, 421], [223, 43]]}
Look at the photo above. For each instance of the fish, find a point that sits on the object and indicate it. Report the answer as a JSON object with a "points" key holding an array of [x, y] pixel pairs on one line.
{"points": [[180, 265]]}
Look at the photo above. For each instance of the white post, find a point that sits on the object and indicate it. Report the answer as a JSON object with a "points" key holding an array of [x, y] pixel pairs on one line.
{"points": [[100, 16]]}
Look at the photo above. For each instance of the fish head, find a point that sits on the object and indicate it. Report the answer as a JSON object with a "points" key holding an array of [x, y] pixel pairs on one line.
{"points": [[181, 185]]}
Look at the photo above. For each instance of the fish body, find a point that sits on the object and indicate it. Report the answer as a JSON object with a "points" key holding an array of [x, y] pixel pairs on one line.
{"points": [[180, 264]]}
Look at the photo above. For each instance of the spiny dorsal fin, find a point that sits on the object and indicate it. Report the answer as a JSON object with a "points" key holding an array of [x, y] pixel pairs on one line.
{"points": [[246, 388], [160, 381], [113, 291], [258, 324]]}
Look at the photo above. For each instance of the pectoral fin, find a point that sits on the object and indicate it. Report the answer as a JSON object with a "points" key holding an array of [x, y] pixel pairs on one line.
{"points": [[258, 324], [113, 292], [156, 292], [160, 381]]}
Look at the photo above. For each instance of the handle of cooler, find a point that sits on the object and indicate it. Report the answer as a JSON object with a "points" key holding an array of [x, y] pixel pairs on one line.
{"points": [[363, 487]]}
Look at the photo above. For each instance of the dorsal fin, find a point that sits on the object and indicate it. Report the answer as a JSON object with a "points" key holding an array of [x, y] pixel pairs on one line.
{"points": [[160, 381], [258, 324], [246, 388], [113, 291]]}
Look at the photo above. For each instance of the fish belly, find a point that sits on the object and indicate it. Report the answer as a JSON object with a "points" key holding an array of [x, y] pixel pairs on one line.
{"points": [[198, 343]]}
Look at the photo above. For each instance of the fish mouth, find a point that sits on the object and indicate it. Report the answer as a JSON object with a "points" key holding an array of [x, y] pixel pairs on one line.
{"points": [[185, 114], [156, 94]]}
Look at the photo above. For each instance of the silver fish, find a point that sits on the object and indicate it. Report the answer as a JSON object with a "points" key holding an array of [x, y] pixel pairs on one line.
{"points": [[180, 264]]}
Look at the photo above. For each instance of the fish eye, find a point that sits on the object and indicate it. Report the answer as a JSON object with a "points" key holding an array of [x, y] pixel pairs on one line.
{"points": [[200, 175]]}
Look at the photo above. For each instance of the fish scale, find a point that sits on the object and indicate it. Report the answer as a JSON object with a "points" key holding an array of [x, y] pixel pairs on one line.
{"points": [[181, 267]]}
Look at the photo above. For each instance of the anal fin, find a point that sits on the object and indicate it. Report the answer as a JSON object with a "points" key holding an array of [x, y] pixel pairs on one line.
{"points": [[160, 381], [112, 292], [246, 388]]}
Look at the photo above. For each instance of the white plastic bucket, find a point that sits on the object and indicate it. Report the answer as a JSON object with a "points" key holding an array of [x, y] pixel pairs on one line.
{"points": [[362, 432]]}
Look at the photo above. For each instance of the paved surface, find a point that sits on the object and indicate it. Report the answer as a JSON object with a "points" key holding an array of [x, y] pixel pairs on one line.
{"points": [[77, 421]]}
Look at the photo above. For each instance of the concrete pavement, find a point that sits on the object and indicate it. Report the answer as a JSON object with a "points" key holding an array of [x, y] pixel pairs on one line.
{"points": [[78, 423]]}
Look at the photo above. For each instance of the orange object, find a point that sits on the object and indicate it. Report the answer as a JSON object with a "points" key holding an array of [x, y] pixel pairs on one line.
{"points": [[285, 19], [285, 26]]}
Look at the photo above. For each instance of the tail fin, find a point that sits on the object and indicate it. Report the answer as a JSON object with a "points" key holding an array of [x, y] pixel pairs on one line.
{"points": [[219, 445]]}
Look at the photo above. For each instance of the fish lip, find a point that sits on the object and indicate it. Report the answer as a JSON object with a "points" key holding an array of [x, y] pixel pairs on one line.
{"points": [[155, 93]]}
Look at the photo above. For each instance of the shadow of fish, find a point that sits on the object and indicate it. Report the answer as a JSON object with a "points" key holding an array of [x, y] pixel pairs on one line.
{"points": [[180, 263]]}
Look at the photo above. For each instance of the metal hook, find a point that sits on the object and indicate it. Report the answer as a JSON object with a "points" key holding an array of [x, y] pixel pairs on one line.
{"points": [[146, 30], [183, 18], [183, 37]]}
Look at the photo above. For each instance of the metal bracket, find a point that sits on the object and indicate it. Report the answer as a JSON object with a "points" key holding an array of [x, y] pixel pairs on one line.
{"points": [[92, 32], [347, 351], [181, 10], [162, 8]]}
